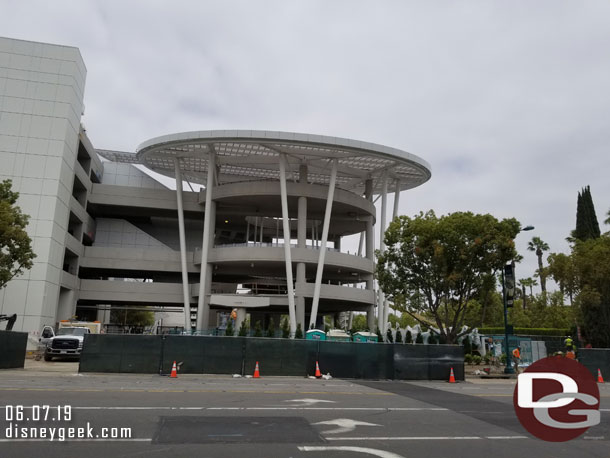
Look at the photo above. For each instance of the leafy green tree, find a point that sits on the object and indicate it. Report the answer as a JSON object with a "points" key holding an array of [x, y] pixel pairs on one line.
{"points": [[243, 329], [285, 328], [445, 259], [592, 265], [132, 317], [271, 328], [16, 253], [561, 269], [587, 226], [608, 218], [229, 331], [359, 323], [258, 330], [298, 333], [539, 246]]}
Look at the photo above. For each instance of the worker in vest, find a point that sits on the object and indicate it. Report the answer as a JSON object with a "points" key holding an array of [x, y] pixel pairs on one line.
{"points": [[517, 358], [568, 343]]}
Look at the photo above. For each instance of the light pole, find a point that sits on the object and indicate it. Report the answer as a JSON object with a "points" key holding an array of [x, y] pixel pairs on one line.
{"points": [[510, 270]]}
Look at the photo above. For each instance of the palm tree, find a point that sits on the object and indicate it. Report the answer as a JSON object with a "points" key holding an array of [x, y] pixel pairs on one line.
{"points": [[539, 247], [529, 283], [608, 219]]}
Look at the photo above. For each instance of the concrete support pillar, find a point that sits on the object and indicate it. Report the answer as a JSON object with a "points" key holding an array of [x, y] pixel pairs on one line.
{"points": [[186, 296], [241, 317], [370, 253], [386, 304], [287, 253], [301, 243], [325, 226], [381, 313], [337, 242], [209, 223]]}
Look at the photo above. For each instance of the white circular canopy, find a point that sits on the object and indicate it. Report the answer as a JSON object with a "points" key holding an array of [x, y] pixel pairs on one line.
{"points": [[246, 155]]}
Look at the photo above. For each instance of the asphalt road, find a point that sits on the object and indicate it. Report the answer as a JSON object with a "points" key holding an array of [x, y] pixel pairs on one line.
{"points": [[221, 416]]}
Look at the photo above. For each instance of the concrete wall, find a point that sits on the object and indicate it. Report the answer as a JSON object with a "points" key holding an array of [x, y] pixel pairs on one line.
{"points": [[41, 102]]}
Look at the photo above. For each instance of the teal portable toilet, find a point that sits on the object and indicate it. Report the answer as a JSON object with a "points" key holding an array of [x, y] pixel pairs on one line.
{"points": [[363, 336], [315, 334]]}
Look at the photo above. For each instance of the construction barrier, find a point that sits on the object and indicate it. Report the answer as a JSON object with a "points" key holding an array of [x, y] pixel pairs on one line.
{"points": [[238, 355], [594, 359], [12, 349]]}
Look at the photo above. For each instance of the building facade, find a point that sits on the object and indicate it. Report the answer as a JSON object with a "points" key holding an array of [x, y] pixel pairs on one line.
{"points": [[265, 234]]}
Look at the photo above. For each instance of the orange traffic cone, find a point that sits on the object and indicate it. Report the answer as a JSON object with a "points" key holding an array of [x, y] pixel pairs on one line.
{"points": [[174, 373], [318, 373], [600, 379], [451, 377], [257, 374]]}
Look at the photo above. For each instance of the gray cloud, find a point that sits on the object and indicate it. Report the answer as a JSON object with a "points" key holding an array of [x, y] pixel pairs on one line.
{"points": [[507, 101]]}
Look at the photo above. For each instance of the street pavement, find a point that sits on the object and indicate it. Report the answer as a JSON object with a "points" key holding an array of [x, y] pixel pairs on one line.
{"points": [[222, 416]]}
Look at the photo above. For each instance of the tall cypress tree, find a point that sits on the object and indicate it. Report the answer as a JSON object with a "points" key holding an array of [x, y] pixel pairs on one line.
{"points": [[587, 226]]}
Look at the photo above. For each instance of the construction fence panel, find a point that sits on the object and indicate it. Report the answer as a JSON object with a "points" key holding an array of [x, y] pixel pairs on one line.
{"points": [[594, 359], [141, 354], [281, 356], [188, 350], [101, 353], [223, 355], [12, 349], [428, 362]]}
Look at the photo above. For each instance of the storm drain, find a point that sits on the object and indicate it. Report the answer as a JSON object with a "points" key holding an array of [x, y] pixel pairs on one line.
{"points": [[207, 430]]}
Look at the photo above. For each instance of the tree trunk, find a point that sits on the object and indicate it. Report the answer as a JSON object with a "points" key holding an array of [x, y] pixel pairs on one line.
{"points": [[540, 271]]}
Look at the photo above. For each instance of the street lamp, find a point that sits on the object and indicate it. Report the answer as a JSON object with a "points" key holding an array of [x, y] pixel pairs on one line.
{"points": [[508, 287]]}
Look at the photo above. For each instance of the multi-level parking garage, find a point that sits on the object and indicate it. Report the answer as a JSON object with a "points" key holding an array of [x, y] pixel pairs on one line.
{"points": [[268, 223], [276, 208]]}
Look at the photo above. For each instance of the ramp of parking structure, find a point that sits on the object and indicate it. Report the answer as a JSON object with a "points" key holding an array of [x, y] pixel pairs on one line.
{"points": [[12, 349]]}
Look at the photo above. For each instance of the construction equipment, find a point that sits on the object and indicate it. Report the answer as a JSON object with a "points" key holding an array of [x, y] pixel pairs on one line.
{"points": [[10, 320]]}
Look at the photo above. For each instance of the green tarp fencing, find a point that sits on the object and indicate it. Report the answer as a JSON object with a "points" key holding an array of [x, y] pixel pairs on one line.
{"points": [[12, 349], [238, 355]]}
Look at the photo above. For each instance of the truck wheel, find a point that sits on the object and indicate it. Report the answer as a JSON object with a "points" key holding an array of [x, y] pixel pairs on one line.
{"points": [[48, 357]]}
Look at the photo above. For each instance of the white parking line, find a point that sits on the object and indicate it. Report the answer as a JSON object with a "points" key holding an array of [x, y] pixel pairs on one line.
{"points": [[421, 438], [373, 409]]}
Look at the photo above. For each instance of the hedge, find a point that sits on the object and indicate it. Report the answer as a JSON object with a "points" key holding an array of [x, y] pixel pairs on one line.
{"points": [[558, 332]]}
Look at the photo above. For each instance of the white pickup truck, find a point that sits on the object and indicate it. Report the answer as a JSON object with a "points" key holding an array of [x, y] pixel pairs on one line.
{"points": [[67, 343]]}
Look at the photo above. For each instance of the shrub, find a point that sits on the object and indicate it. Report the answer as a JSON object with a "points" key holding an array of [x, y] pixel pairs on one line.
{"points": [[258, 330], [285, 328], [398, 336], [468, 358], [487, 358], [271, 328], [476, 359], [432, 339], [388, 336], [298, 334], [243, 329], [408, 337], [419, 339], [229, 331]]}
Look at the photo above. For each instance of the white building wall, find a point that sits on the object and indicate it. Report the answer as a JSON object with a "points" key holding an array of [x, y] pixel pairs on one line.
{"points": [[41, 102]]}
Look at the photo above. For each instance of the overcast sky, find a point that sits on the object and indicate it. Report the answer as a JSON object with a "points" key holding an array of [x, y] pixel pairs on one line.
{"points": [[508, 101]]}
